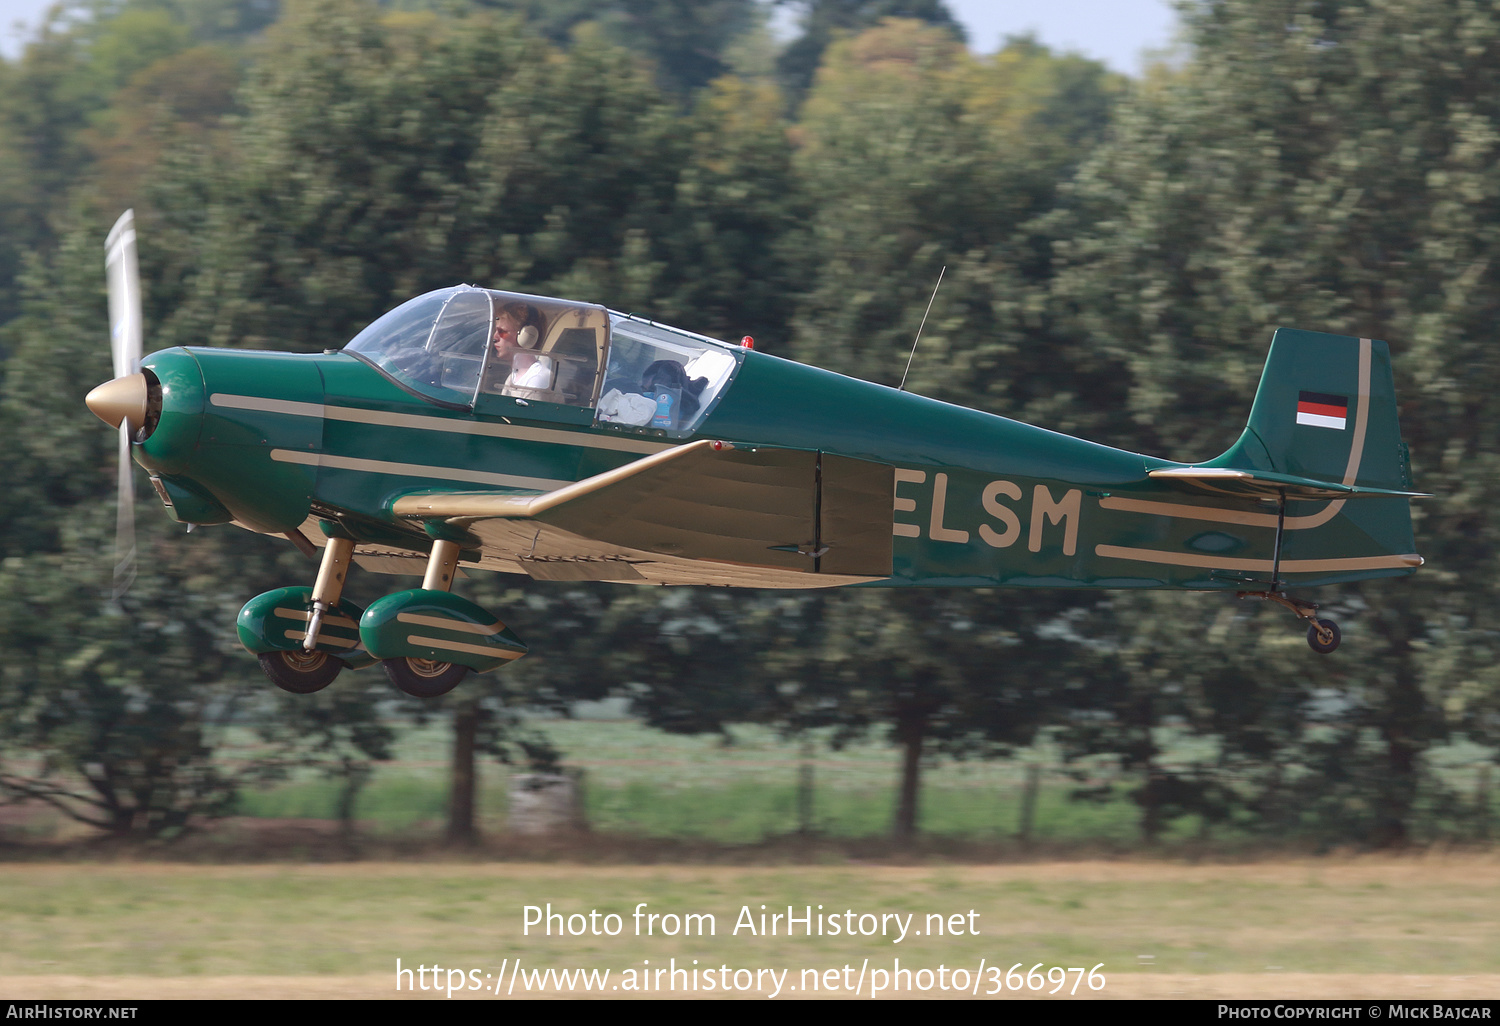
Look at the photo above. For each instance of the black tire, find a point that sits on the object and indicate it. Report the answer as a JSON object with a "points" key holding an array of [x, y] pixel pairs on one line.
{"points": [[1317, 644], [299, 672], [423, 678]]}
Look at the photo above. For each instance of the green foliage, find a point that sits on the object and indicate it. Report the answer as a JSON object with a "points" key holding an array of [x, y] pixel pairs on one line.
{"points": [[1327, 166], [688, 41], [114, 711], [1116, 260], [89, 88], [824, 21], [383, 157], [915, 157], [106, 709], [918, 156]]}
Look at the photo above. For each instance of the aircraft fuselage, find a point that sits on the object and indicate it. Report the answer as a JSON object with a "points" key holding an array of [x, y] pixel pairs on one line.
{"points": [[274, 439]]}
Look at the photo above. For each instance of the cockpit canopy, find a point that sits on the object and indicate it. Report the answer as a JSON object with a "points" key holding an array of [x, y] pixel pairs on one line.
{"points": [[458, 345]]}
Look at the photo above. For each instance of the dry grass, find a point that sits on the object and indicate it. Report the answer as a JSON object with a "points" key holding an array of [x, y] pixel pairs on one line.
{"points": [[1387, 927]]}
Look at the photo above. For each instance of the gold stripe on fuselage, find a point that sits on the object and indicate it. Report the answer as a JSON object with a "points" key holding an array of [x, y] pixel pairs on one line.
{"points": [[584, 438], [313, 459], [1291, 566]]}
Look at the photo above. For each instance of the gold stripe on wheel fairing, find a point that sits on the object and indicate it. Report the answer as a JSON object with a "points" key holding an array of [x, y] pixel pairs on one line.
{"points": [[451, 625], [324, 639], [458, 646], [302, 614]]}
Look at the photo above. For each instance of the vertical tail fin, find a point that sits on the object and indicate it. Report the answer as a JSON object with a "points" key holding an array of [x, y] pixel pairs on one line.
{"points": [[1325, 409]]}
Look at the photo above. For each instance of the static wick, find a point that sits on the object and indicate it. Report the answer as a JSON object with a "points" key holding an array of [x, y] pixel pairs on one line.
{"points": [[918, 339]]}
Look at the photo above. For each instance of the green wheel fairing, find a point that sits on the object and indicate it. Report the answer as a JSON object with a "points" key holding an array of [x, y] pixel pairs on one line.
{"points": [[439, 626], [276, 621]]}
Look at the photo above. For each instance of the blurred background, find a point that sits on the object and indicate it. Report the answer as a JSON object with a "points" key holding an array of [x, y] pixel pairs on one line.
{"points": [[1128, 200]]}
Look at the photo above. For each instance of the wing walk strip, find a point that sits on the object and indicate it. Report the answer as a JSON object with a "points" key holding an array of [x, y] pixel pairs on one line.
{"points": [[1183, 511], [583, 439]]}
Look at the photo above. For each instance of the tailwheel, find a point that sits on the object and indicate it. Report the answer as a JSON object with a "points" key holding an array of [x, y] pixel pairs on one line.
{"points": [[300, 672], [1323, 636], [423, 678]]}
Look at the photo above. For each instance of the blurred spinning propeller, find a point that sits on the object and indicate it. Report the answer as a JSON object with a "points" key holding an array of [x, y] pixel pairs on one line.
{"points": [[124, 278]]}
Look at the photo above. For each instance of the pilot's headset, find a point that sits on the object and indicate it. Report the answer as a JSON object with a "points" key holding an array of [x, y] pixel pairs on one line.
{"points": [[526, 316]]}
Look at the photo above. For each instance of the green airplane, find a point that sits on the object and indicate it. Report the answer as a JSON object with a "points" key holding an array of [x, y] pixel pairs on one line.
{"points": [[486, 430]]}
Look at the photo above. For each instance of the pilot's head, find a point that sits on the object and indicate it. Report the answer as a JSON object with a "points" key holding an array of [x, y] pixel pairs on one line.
{"points": [[516, 328]]}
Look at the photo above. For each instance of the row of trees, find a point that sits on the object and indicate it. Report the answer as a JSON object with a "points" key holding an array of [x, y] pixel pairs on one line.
{"points": [[1117, 255]]}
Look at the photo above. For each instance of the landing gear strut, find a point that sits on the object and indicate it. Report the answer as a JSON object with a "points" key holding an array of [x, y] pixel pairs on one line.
{"points": [[328, 587], [307, 668], [1323, 636]]}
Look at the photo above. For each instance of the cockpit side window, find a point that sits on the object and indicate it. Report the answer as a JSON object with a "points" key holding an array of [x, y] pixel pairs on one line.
{"points": [[433, 344], [659, 377], [459, 344], [456, 347]]}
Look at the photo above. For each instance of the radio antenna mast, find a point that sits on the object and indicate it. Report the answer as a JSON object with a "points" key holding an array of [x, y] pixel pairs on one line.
{"points": [[913, 355]]}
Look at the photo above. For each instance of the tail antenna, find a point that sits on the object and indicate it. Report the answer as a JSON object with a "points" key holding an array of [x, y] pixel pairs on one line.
{"points": [[913, 355]]}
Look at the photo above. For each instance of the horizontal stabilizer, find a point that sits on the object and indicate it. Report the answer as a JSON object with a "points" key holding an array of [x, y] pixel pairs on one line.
{"points": [[1265, 484]]}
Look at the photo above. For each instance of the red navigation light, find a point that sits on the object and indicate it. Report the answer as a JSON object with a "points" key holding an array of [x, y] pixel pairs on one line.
{"points": [[748, 342]]}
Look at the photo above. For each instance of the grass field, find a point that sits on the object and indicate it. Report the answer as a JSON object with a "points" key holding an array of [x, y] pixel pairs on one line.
{"points": [[1384, 927], [1420, 926], [645, 783]]}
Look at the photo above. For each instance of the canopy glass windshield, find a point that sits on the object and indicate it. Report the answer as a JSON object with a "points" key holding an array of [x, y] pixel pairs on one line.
{"points": [[660, 377], [457, 344], [460, 344]]}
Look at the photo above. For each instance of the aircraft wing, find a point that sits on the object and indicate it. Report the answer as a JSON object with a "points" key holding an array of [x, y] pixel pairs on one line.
{"points": [[1263, 484], [702, 513]]}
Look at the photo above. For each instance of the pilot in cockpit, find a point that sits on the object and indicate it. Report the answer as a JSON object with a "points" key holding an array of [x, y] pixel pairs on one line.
{"points": [[518, 331]]}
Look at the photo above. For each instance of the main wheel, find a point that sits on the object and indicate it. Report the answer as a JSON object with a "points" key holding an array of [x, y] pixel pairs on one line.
{"points": [[1316, 641], [300, 672], [423, 678]]}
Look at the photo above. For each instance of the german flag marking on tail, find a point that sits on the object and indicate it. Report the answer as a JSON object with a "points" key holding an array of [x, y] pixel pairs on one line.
{"points": [[1318, 409]]}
